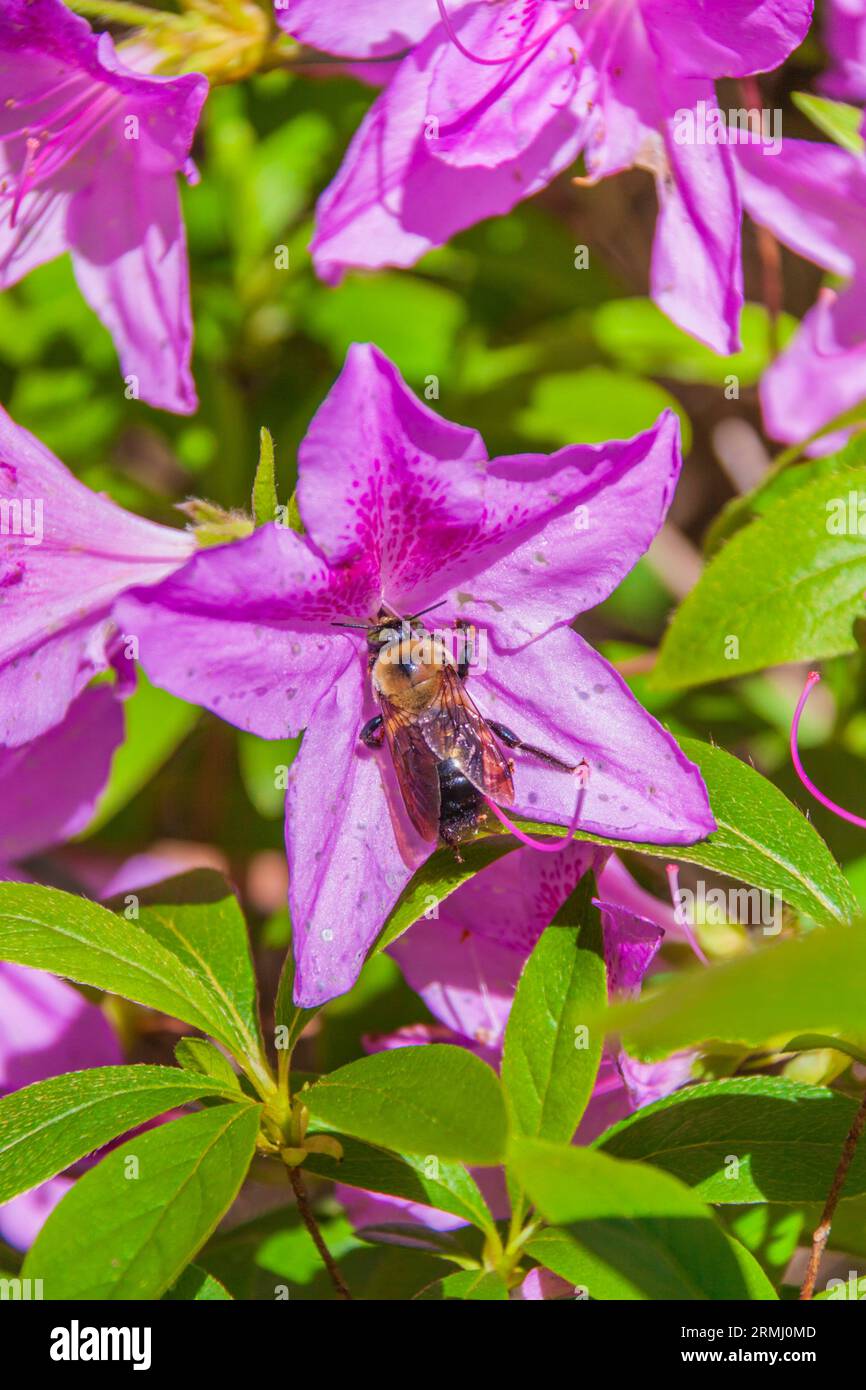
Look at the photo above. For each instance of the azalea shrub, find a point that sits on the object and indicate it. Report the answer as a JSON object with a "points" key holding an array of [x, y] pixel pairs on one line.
{"points": [[432, 602]]}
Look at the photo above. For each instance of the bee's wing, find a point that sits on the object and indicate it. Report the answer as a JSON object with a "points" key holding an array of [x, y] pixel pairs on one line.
{"points": [[415, 765], [452, 727]]}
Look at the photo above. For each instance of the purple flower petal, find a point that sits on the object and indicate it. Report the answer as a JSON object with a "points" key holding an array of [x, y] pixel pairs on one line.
{"points": [[349, 30], [48, 1028], [65, 555], [631, 943], [22, 1218], [134, 273], [91, 151], [731, 40], [384, 476], [393, 199], [49, 788], [569, 535], [697, 274], [466, 980], [845, 41], [245, 630], [348, 863], [808, 386], [560, 695]]}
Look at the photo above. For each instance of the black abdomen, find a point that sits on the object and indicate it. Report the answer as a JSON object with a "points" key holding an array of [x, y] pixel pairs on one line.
{"points": [[460, 804]]}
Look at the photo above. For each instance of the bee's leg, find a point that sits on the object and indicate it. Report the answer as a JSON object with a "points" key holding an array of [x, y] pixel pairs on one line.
{"points": [[373, 732], [512, 741], [467, 646]]}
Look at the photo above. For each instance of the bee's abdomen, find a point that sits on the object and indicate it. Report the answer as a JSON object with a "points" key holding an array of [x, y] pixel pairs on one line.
{"points": [[460, 803]]}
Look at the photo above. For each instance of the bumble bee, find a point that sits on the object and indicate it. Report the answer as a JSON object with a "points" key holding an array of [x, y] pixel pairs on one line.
{"points": [[445, 753]]}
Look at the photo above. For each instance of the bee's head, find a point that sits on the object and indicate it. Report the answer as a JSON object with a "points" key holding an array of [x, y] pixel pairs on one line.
{"points": [[388, 627]]}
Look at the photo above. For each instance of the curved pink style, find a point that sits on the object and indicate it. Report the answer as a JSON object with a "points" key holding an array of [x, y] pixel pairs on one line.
{"points": [[582, 775], [673, 873], [811, 681]]}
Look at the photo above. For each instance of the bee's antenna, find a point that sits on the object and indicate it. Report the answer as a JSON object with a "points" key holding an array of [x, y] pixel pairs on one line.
{"points": [[413, 616], [363, 627]]}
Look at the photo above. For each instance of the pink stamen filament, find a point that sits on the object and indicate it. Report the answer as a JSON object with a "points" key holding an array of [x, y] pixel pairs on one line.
{"points": [[47, 153], [582, 774], [811, 681], [673, 874], [532, 47]]}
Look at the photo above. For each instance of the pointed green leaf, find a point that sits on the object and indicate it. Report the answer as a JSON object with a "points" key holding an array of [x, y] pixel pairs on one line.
{"points": [[623, 1230], [801, 984], [547, 1072], [48, 1126], [838, 120], [195, 1285], [787, 587], [445, 1186], [265, 488], [747, 1139], [80, 940], [198, 917], [130, 1226], [436, 1100]]}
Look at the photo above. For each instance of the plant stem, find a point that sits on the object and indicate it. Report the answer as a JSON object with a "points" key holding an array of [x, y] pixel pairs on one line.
{"points": [[822, 1231], [311, 1224]]}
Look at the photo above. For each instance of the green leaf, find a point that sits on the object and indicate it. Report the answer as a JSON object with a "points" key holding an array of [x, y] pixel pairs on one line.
{"points": [[199, 1055], [412, 320], [638, 334], [48, 1126], [797, 985], [198, 917], [785, 587], [834, 118], [265, 501], [758, 1286], [762, 839], [445, 1186], [126, 1231], [748, 1139], [594, 405], [195, 1285], [272, 1255], [260, 760], [547, 1075], [437, 1100], [468, 1284], [79, 940], [156, 724], [623, 1230]]}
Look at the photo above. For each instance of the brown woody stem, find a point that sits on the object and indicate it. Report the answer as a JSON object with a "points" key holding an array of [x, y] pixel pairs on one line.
{"points": [[312, 1226], [822, 1230]]}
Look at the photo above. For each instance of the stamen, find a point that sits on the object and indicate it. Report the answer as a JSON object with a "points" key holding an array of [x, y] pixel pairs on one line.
{"points": [[811, 681], [582, 774], [682, 920], [531, 47]]}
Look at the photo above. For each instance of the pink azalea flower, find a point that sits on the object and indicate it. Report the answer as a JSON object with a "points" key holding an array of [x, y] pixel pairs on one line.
{"points": [[65, 555], [812, 196], [466, 963], [49, 788], [89, 155], [845, 38], [405, 509], [497, 99]]}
